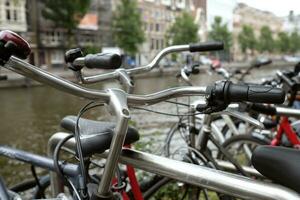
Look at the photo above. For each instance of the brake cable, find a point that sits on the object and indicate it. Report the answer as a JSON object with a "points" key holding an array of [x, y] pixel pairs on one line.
{"points": [[79, 150]]}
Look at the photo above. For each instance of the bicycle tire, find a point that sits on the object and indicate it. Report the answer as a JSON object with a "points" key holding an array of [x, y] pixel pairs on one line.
{"points": [[254, 138], [38, 190], [150, 187]]}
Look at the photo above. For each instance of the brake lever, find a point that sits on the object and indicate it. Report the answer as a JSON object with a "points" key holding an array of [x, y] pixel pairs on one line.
{"points": [[125, 80], [185, 77], [243, 117]]}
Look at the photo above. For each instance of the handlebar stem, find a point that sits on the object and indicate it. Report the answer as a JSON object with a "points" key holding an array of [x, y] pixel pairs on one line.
{"points": [[125, 80], [118, 107]]}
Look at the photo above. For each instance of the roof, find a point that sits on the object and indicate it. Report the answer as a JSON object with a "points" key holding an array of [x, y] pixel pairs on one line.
{"points": [[89, 22]]}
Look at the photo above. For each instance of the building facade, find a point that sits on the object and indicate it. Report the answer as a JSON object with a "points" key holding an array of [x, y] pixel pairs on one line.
{"points": [[13, 15], [49, 42], [291, 23], [159, 15], [246, 15]]}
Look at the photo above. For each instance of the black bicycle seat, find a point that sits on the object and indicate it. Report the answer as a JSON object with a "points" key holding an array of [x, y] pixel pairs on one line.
{"points": [[96, 136], [279, 164]]}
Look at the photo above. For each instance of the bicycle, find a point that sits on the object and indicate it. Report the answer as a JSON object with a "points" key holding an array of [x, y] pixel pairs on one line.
{"points": [[119, 102], [285, 133]]}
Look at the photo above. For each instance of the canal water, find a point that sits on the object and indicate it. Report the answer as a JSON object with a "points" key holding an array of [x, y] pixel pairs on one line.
{"points": [[29, 116]]}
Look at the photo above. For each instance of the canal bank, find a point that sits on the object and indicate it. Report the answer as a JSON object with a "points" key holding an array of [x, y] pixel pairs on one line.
{"points": [[16, 80]]}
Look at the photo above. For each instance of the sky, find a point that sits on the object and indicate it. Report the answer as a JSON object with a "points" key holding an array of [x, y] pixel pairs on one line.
{"points": [[278, 7]]}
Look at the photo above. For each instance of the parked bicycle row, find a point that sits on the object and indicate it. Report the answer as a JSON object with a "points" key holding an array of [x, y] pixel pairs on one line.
{"points": [[237, 141]]}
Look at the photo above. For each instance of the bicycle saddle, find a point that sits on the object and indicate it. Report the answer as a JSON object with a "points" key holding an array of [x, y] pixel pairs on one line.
{"points": [[96, 136], [280, 164]]}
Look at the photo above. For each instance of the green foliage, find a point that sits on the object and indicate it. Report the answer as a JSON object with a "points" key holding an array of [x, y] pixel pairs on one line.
{"points": [[128, 27], [91, 50], [220, 32], [183, 31], [294, 42], [65, 14], [266, 41], [283, 42], [247, 39]]}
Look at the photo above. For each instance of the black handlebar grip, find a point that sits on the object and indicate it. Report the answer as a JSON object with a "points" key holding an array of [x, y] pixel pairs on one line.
{"points": [[103, 61], [228, 92], [206, 46], [265, 94]]}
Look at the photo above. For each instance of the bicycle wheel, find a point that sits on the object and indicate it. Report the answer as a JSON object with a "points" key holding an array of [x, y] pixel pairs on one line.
{"points": [[240, 147], [177, 140], [241, 126], [30, 186]]}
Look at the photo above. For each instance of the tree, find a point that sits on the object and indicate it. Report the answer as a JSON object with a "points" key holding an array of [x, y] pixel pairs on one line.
{"points": [[283, 42], [247, 39], [266, 41], [183, 31], [294, 42], [65, 14], [128, 27], [220, 32]]}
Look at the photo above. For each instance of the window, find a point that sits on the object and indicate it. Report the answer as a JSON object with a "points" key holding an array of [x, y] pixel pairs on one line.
{"points": [[52, 37], [151, 27], [11, 11], [57, 57], [157, 15], [162, 44], [7, 10], [152, 44], [15, 15], [157, 27], [8, 15], [157, 44]]}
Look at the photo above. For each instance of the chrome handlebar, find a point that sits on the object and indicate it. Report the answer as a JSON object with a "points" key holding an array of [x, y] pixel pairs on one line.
{"points": [[19, 66]]}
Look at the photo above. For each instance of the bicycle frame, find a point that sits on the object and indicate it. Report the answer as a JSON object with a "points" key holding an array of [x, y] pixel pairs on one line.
{"points": [[223, 182], [285, 128]]}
